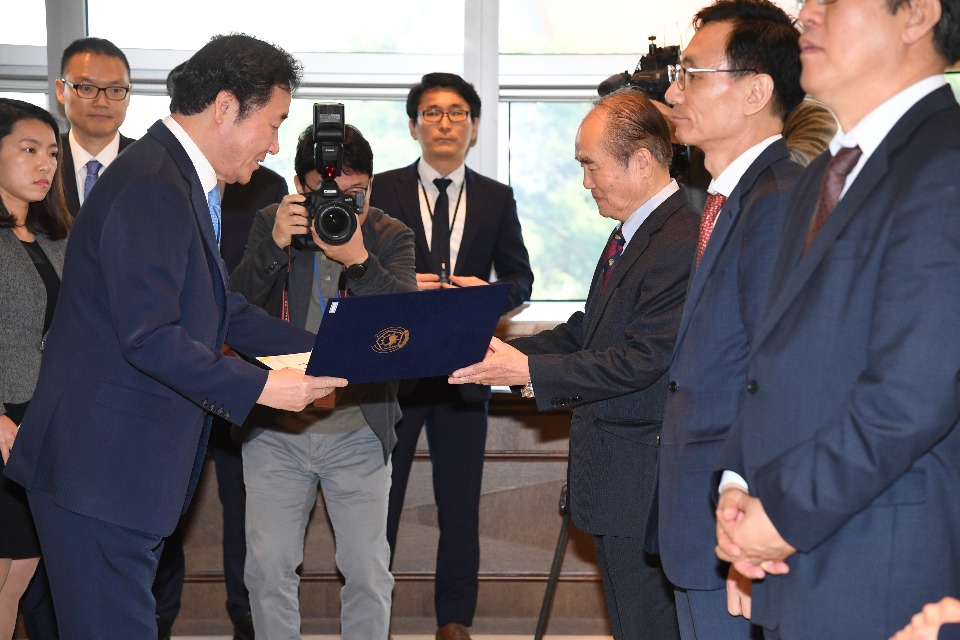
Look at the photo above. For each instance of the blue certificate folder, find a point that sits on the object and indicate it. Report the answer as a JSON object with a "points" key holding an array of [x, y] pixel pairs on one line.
{"points": [[396, 336]]}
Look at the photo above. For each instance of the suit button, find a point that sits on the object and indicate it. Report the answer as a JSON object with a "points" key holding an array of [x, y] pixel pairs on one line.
{"points": [[672, 386], [227, 415], [752, 386], [575, 399]]}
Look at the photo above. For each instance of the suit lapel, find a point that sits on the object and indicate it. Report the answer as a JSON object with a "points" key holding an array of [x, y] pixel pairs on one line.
{"points": [[726, 223], [69, 176], [792, 270], [198, 198], [598, 299], [472, 218]]}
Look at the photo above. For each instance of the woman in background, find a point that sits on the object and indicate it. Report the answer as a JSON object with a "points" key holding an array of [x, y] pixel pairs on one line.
{"points": [[33, 229]]}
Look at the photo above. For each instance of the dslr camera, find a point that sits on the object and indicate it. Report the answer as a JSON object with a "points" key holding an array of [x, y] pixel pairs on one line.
{"points": [[331, 213]]}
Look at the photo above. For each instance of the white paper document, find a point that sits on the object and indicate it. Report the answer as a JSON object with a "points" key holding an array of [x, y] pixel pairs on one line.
{"points": [[287, 361]]}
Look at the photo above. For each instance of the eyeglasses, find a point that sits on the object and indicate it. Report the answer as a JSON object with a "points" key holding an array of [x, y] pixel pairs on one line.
{"points": [[90, 92], [678, 73], [435, 115]]}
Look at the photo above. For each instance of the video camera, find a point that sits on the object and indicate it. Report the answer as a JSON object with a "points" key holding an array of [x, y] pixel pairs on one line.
{"points": [[650, 76], [332, 213]]}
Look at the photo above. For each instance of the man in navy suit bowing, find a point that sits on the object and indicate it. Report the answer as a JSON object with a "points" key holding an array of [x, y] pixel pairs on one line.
{"points": [[465, 226], [735, 115], [133, 370], [846, 444], [609, 362]]}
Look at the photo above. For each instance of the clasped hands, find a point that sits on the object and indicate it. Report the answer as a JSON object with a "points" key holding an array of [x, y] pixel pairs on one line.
{"points": [[746, 537], [502, 365], [429, 281]]}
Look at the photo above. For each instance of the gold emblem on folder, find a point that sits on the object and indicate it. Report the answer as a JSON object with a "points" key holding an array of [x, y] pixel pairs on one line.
{"points": [[391, 339]]}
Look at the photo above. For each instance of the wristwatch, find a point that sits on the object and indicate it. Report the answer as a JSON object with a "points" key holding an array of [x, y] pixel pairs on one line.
{"points": [[357, 271], [527, 390]]}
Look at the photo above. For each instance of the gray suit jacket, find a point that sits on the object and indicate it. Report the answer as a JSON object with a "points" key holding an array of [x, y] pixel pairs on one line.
{"points": [[23, 304], [610, 363], [262, 273]]}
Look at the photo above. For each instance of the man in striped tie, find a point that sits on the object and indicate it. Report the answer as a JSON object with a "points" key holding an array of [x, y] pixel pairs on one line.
{"points": [[609, 362]]}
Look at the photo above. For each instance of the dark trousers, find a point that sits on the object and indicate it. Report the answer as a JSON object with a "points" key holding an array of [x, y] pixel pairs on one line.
{"points": [[36, 607], [457, 435], [639, 598], [100, 573], [168, 586]]}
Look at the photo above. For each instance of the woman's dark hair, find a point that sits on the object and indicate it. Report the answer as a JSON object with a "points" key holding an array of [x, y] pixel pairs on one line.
{"points": [[49, 216]]}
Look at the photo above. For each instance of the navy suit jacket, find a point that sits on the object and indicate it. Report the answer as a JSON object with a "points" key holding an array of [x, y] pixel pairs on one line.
{"points": [[70, 171], [846, 431], [491, 236], [610, 363], [709, 366], [132, 370]]}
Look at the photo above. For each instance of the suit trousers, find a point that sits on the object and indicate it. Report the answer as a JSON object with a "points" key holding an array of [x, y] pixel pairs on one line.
{"points": [[100, 573], [456, 436], [639, 598], [168, 586], [282, 471], [703, 616]]}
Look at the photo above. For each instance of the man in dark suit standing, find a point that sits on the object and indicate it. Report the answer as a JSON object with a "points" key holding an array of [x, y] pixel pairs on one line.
{"points": [[240, 204], [610, 361], [465, 226], [845, 443], [133, 369], [94, 90], [736, 118]]}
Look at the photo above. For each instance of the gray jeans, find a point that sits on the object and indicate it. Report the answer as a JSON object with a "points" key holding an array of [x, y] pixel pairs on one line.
{"points": [[281, 472]]}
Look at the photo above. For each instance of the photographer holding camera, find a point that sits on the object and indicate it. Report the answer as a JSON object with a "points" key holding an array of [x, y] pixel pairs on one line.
{"points": [[345, 449]]}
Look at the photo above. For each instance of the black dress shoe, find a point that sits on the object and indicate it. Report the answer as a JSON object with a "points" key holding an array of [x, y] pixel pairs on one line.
{"points": [[163, 629], [243, 628]]}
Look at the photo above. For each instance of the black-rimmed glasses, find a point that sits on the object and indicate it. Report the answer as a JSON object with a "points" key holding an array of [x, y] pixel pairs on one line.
{"points": [[678, 73], [90, 92], [436, 115]]}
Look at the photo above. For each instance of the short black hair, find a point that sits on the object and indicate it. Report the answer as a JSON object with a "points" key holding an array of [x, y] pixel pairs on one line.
{"points": [[243, 65], [92, 45], [440, 80], [357, 154], [49, 216], [946, 34], [763, 38], [632, 123]]}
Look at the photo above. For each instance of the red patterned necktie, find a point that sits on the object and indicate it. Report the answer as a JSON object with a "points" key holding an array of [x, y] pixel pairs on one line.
{"points": [[837, 171], [611, 254], [710, 212]]}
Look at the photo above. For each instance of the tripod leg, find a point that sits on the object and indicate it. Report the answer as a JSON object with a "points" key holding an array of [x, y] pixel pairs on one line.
{"points": [[554, 575]]}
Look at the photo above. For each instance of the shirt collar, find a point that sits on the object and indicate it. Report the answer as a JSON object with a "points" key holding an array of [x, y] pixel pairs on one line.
{"points": [[81, 156], [205, 171], [428, 174], [729, 178], [631, 224], [874, 127]]}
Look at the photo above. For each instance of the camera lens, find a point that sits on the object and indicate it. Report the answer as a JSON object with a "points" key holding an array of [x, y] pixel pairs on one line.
{"points": [[335, 224]]}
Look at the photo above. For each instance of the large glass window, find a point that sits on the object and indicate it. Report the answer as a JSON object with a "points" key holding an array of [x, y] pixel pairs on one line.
{"points": [[602, 26], [562, 229], [374, 26], [24, 23]]}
